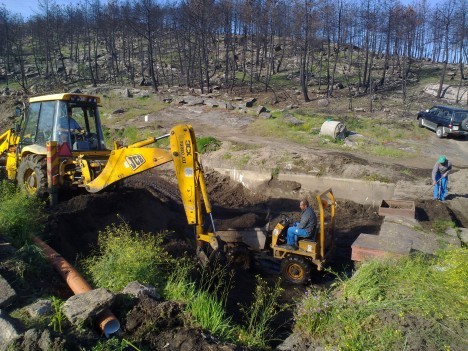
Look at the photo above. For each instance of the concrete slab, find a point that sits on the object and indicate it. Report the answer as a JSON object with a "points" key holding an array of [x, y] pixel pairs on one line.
{"points": [[368, 246], [7, 294]]}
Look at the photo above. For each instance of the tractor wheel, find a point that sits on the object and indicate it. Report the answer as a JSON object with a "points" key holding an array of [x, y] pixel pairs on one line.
{"points": [[32, 175], [296, 269]]}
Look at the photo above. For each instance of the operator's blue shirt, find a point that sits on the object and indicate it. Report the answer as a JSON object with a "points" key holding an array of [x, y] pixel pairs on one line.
{"points": [[308, 220]]}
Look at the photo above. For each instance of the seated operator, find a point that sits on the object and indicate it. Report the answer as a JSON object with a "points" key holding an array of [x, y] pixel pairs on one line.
{"points": [[304, 228], [67, 125]]}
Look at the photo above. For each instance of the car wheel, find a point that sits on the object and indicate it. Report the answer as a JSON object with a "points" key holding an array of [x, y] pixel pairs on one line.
{"points": [[421, 122], [440, 132]]}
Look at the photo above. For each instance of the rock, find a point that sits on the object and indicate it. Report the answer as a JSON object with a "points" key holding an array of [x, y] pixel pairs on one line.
{"points": [[143, 94], [192, 101], [293, 120], [7, 294], [126, 93], [265, 115], [250, 102], [82, 307], [229, 106], [118, 111], [8, 332], [138, 290], [167, 100], [359, 109], [34, 340], [339, 86], [461, 233], [39, 308], [323, 102], [260, 109], [212, 103]]}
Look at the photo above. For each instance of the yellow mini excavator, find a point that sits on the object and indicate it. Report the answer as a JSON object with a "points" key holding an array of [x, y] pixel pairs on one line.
{"points": [[59, 144]]}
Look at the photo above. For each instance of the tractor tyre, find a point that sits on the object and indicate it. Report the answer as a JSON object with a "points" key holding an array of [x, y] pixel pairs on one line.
{"points": [[296, 269], [32, 175]]}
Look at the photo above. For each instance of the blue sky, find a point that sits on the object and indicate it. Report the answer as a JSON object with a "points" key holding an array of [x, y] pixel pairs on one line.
{"points": [[30, 7]]}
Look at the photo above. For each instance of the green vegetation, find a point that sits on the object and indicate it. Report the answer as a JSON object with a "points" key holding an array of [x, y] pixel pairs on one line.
{"points": [[58, 317], [377, 178], [257, 330], [21, 215], [205, 302], [114, 344], [125, 255], [375, 308], [207, 144], [441, 226]]}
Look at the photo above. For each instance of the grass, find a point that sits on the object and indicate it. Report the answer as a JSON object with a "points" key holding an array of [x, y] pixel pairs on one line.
{"points": [[207, 144], [377, 308], [125, 255], [205, 301], [257, 331], [21, 215]]}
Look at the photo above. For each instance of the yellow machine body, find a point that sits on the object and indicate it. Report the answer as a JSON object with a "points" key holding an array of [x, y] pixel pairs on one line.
{"points": [[316, 252], [85, 163]]}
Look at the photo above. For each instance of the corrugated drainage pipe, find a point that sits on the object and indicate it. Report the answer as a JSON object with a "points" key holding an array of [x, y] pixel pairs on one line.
{"points": [[108, 323]]}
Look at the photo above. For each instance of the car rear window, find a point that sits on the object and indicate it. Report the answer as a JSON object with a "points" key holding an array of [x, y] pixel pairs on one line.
{"points": [[460, 116]]}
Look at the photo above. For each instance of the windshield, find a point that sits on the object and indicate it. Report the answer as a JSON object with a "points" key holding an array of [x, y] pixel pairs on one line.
{"points": [[77, 124]]}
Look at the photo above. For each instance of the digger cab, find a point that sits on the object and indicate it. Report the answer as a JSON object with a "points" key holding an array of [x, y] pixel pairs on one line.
{"points": [[71, 119]]}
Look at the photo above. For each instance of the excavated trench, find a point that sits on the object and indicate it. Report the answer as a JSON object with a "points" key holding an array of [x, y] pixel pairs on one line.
{"points": [[151, 203]]}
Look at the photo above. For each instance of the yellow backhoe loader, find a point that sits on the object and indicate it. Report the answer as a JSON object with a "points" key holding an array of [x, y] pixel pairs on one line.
{"points": [[59, 144]]}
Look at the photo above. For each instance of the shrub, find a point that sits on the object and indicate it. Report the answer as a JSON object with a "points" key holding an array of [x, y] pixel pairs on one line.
{"points": [[125, 255], [207, 144], [21, 214]]}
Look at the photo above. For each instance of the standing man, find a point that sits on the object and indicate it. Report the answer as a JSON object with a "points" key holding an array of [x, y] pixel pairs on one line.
{"points": [[305, 227], [440, 178]]}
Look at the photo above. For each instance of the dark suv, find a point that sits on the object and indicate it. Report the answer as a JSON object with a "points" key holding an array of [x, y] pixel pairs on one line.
{"points": [[445, 120]]}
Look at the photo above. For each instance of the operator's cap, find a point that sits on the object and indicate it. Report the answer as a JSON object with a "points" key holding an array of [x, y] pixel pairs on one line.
{"points": [[442, 159]]}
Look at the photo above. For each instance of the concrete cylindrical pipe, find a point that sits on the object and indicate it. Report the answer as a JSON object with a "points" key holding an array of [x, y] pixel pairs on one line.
{"points": [[334, 129]]}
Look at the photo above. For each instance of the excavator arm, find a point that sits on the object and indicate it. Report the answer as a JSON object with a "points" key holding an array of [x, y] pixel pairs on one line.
{"points": [[136, 158]]}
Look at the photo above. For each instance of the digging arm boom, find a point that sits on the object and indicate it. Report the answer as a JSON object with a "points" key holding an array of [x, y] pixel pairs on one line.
{"points": [[136, 158]]}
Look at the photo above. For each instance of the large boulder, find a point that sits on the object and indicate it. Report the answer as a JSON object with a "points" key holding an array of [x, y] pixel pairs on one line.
{"points": [[79, 308]]}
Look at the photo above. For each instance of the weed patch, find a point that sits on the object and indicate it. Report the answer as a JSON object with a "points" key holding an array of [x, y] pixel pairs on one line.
{"points": [[21, 215], [377, 307], [125, 255]]}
